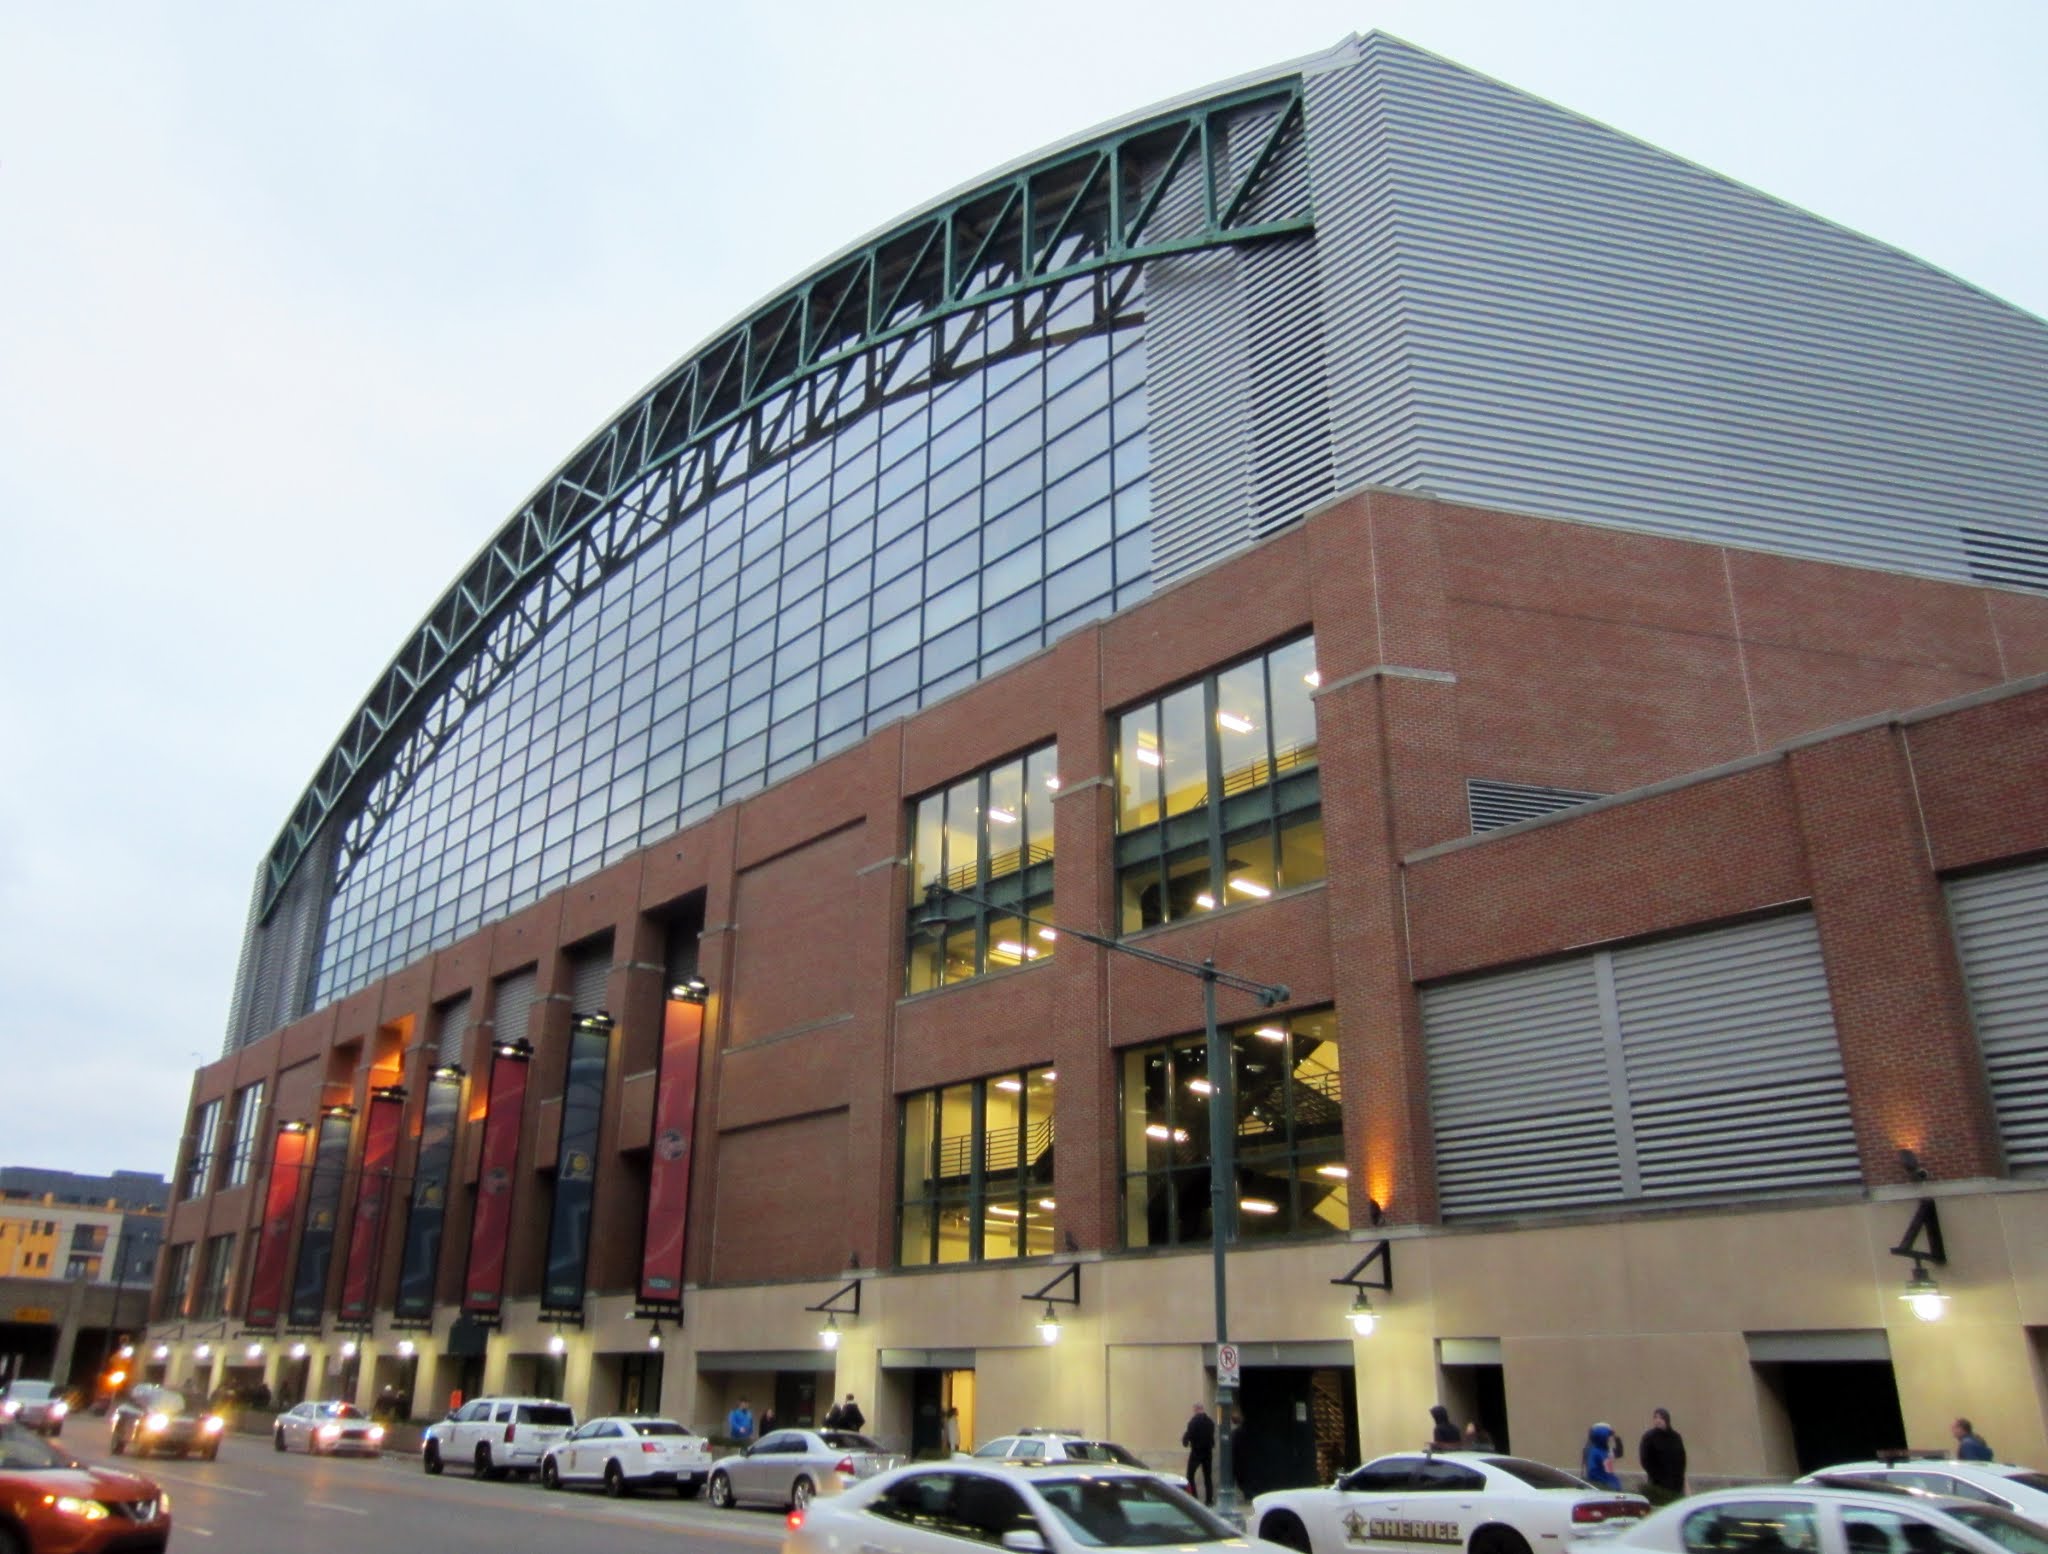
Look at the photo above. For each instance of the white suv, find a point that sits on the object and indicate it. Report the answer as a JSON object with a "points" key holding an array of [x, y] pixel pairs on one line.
{"points": [[496, 1436]]}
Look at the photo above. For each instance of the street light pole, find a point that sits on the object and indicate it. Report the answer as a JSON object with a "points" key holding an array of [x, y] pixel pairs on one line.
{"points": [[1222, 1129]]}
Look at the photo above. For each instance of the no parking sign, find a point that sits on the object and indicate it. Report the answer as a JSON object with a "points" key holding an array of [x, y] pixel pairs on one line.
{"points": [[1226, 1365]]}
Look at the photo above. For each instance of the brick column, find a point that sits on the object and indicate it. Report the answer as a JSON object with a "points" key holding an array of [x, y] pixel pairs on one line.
{"points": [[1916, 1078]]}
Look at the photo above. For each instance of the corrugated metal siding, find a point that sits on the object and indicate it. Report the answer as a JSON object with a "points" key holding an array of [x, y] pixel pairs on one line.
{"points": [[1735, 1078], [1490, 805], [1695, 1067], [273, 983], [1530, 310], [589, 976], [454, 1030], [2001, 923], [512, 1009]]}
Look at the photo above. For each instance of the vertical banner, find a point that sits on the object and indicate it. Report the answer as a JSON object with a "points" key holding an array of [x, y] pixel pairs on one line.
{"points": [[280, 1203], [483, 1287], [420, 1262], [675, 1128], [590, 1050], [373, 1200], [323, 1203]]}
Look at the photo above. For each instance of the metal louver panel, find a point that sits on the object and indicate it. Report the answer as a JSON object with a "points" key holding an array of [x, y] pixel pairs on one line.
{"points": [[514, 1006], [2001, 923], [1735, 1077], [1491, 805], [589, 974], [1521, 1092], [454, 1029]]}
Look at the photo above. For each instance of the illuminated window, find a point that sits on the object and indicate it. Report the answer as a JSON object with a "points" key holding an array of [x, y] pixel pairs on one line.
{"points": [[1289, 1106], [205, 1138], [989, 835], [1219, 800], [977, 1170]]}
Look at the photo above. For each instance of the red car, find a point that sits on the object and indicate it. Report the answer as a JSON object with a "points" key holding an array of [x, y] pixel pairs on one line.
{"points": [[53, 1504]]}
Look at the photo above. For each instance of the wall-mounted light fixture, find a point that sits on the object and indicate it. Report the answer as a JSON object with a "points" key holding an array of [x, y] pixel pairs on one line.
{"points": [[407, 1348], [654, 1336], [1362, 1317], [519, 1048], [1049, 1324], [203, 1352], [163, 1351], [834, 1306], [691, 990], [298, 1351], [348, 1349], [448, 1073], [253, 1352], [599, 1024], [557, 1344], [1922, 1242]]}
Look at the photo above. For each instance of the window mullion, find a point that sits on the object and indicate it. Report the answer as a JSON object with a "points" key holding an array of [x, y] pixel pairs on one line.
{"points": [[1212, 757], [977, 1169]]}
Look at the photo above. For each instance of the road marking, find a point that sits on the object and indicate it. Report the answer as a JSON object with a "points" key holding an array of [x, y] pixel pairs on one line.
{"points": [[206, 1483], [329, 1505], [204, 1532]]}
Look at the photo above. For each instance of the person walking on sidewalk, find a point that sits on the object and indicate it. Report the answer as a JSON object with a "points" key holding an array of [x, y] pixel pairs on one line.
{"points": [[1663, 1454], [1970, 1446], [1200, 1440]]}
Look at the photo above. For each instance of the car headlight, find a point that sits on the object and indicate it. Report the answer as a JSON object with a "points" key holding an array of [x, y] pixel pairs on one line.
{"points": [[11, 1407], [71, 1505], [156, 1422], [214, 1424], [59, 1409], [328, 1432], [164, 1500], [376, 1432]]}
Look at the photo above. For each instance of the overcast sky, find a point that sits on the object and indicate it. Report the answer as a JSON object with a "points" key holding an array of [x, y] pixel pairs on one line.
{"points": [[298, 303]]}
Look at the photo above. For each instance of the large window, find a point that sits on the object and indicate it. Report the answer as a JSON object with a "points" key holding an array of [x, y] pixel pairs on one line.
{"points": [[242, 1146], [216, 1265], [1218, 797], [205, 1139], [991, 836], [1291, 1176], [177, 1280], [977, 1170]]}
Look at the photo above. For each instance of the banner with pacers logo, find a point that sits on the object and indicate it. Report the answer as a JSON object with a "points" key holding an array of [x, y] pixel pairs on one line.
{"points": [[483, 1289], [668, 1183]]}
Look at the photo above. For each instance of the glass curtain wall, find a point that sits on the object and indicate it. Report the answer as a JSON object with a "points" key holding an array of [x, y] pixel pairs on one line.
{"points": [[977, 1171], [1219, 797], [964, 523], [990, 835], [1291, 1176]]}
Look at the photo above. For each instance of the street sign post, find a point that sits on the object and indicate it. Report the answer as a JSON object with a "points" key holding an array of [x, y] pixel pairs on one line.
{"points": [[1226, 1365]]}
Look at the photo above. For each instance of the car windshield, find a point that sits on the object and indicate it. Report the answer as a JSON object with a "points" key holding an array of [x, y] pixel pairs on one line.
{"points": [[2001, 1526], [22, 1451], [1537, 1475], [547, 1414], [1129, 1513], [160, 1400], [1000, 1447], [659, 1427], [1099, 1451], [846, 1440], [30, 1391]]}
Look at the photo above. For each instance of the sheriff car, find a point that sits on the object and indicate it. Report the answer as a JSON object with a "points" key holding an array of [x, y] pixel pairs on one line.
{"points": [[1477, 1502]]}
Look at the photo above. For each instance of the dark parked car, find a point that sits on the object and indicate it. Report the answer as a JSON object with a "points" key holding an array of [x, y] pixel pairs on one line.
{"points": [[152, 1421]]}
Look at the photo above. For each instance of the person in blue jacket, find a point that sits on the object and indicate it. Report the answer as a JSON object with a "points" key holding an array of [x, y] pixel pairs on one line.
{"points": [[1970, 1446], [1602, 1453]]}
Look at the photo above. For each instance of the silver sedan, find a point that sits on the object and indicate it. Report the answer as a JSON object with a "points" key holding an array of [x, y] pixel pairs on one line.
{"points": [[790, 1467], [330, 1428]]}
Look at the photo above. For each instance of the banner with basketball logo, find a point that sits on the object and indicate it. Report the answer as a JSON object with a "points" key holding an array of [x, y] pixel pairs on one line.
{"points": [[590, 1047], [483, 1287], [675, 1128], [280, 1204], [323, 1204], [373, 1203]]}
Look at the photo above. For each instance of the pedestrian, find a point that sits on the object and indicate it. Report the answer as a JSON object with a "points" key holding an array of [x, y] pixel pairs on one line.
{"points": [[1442, 1433], [1243, 1473], [949, 1428], [1477, 1437], [1200, 1439], [1663, 1453], [835, 1417], [850, 1416], [739, 1425], [1970, 1446], [1602, 1452]]}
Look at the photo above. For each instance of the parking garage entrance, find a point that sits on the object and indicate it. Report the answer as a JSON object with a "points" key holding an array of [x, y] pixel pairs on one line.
{"points": [[1300, 1407], [1826, 1397]]}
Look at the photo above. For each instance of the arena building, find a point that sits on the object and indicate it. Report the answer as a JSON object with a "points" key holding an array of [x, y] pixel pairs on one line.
{"points": [[1559, 621]]}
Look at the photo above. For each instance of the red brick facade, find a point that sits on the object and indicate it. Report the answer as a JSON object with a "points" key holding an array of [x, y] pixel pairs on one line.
{"points": [[1452, 644]]}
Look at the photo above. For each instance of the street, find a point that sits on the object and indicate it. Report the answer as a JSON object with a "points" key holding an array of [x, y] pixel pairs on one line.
{"points": [[253, 1501]]}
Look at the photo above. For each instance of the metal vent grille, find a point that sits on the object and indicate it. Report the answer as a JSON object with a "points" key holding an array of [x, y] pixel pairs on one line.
{"points": [[1697, 1067], [1492, 805], [2001, 556], [513, 1007], [590, 972], [2001, 923], [454, 1029]]}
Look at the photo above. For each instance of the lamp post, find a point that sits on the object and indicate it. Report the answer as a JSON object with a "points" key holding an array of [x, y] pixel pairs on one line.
{"points": [[1222, 1124]]}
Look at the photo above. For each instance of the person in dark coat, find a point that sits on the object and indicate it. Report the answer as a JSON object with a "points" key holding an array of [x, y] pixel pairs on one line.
{"points": [[1443, 1435], [1200, 1440], [850, 1416], [1478, 1437], [1663, 1454], [835, 1418]]}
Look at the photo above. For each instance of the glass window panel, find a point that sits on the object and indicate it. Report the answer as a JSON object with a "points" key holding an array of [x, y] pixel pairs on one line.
{"points": [[1140, 763], [1067, 591], [1076, 537], [1183, 751], [1294, 679], [890, 684], [1301, 850], [1241, 729], [963, 815], [1041, 784]]}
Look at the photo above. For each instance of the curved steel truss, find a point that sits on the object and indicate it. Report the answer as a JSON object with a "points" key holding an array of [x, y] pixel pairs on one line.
{"points": [[1227, 170]]}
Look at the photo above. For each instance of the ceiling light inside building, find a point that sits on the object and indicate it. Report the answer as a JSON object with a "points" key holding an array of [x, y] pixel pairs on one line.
{"points": [[1342, 1173], [1270, 1033], [1001, 816], [1251, 888], [1258, 1206]]}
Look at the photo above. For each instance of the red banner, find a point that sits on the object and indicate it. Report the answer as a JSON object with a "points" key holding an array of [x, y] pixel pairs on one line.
{"points": [[373, 1199], [675, 1129], [280, 1204], [484, 1287]]}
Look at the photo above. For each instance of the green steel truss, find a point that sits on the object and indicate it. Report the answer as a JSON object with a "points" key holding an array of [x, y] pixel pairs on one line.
{"points": [[868, 325]]}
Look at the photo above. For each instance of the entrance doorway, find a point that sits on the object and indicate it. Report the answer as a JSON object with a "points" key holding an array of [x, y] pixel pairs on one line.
{"points": [[932, 1393], [1478, 1394], [796, 1399], [1300, 1427], [1835, 1410]]}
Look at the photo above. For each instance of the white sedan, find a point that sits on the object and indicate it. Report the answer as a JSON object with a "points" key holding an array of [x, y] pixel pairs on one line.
{"points": [[941, 1507], [1809, 1519], [1994, 1483], [1479, 1502], [330, 1428], [629, 1451]]}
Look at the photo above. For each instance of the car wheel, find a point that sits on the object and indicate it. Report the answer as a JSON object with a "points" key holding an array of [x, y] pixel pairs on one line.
{"points": [[10, 1543], [550, 1475], [209, 1454], [430, 1459], [1499, 1540], [1285, 1529], [800, 1493], [116, 1444], [277, 1440], [614, 1480], [483, 1462], [688, 1488], [721, 1491]]}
